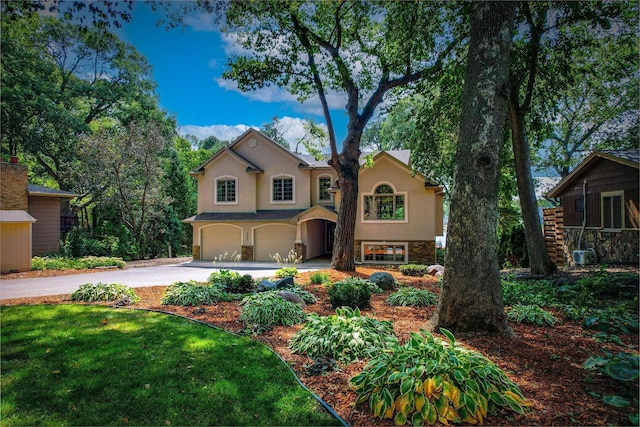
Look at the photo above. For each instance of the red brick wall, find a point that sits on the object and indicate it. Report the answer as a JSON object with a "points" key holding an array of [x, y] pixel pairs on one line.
{"points": [[13, 187]]}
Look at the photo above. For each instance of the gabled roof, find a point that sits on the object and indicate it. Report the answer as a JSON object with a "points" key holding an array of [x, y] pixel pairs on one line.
{"points": [[401, 158], [629, 158], [320, 212], [41, 190], [302, 163], [251, 168], [15, 216]]}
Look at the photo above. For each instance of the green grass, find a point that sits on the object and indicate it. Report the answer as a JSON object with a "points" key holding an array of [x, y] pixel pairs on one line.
{"points": [[85, 365]]}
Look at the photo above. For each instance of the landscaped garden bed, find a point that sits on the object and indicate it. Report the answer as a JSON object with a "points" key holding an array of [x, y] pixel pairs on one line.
{"points": [[545, 362]]}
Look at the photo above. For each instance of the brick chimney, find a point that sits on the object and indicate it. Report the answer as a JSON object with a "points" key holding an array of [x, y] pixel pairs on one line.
{"points": [[13, 187]]}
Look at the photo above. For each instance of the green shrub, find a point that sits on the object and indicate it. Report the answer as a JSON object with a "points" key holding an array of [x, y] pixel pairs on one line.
{"points": [[319, 278], [410, 296], [268, 309], [232, 281], [92, 292], [441, 254], [286, 272], [345, 336], [193, 293], [417, 270], [63, 263], [611, 319], [350, 292], [531, 314], [428, 380]]}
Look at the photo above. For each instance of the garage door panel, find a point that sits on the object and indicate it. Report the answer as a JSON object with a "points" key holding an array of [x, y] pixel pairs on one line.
{"points": [[273, 239], [220, 239]]}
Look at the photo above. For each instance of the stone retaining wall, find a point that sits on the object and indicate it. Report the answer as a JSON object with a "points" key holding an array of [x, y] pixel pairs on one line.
{"points": [[612, 247]]}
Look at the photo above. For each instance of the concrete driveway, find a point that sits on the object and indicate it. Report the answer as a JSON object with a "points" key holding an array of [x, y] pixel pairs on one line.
{"points": [[139, 277]]}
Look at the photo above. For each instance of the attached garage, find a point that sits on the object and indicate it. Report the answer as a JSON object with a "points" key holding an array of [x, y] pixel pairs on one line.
{"points": [[271, 239], [218, 239]]}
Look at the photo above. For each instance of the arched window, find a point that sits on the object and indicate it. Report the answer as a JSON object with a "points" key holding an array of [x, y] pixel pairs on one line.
{"points": [[282, 189], [226, 190], [384, 205]]}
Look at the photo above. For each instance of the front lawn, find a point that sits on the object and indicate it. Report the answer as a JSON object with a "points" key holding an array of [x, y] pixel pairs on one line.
{"points": [[87, 365]]}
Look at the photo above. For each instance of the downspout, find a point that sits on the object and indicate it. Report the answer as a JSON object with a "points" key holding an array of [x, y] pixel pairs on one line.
{"points": [[584, 212]]}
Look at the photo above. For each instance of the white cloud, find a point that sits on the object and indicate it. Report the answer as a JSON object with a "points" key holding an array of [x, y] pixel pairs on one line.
{"points": [[222, 132], [201, 22]]}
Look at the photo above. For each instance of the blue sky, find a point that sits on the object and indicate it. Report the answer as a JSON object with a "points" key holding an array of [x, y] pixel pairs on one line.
{"points": [[187, 66]]}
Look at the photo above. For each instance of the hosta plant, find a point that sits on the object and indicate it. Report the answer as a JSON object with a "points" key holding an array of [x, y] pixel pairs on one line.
{"points": [[286, 272], [345, 336], [232, 281], [533, 314], [268, 309], [92, 292], [429, 380], [410, 296], [193, 293], [306, 296]]}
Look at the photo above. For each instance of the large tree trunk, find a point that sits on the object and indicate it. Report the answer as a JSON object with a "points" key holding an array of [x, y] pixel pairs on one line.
{"points": [[343, 257], [471, 299], [539, 260]]}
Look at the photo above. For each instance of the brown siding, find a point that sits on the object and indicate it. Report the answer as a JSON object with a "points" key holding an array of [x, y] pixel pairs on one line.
{"points": [[46, 231], [604, 175]]}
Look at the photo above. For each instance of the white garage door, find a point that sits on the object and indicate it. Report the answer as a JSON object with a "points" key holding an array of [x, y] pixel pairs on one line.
{"points": [[220, 239], [273, 239]]}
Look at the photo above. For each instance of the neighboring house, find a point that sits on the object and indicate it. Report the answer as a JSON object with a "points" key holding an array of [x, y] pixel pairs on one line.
{"points": [[15, 222], [256, 199], [51, 209], [602, 191]]}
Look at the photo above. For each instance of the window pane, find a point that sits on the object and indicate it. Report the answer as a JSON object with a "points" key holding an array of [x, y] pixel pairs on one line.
{"points": [[277, 189], [369, 251], [399, 208], [367, 207], [384, 189], [606, 210], [220, 191], [231, 191], [287, 189], [325, 183], [617, 211]]}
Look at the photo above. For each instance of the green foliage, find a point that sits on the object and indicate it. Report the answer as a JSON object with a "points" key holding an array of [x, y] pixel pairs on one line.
{"points": [[417, 270], [93, 292], [520, 313], [428, 380], [350, 292], [512, 247], [538, 292], [306, 296], [268, 309], [63, 263], [410, 296], [286, 272], [319, 278], [611, 320], [441, 254], [232, 281], [193, 293], [346, 336]]}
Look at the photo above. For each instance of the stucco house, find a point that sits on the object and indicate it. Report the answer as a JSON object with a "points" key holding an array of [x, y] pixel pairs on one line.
{"points": [[600, 200], [256, 199]]}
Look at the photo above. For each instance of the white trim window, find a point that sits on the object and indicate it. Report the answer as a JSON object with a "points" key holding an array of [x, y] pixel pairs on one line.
{"points": [[385, 252], [227, 190], [324, 183], [384, 205], [612, 208], [282, 189]]}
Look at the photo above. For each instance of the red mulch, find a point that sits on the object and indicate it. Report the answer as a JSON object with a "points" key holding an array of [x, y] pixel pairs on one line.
{"points": [[545, 362]]}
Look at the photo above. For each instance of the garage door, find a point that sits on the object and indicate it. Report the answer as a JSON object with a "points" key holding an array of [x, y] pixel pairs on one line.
{"points": [[273, 239], [220, 239]]}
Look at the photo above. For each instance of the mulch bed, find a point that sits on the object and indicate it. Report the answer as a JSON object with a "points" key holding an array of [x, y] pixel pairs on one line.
{"points": [[545, 362]]}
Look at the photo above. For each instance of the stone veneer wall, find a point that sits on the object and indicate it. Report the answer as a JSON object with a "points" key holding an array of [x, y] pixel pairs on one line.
{"points": [[612, 247], [13, 187], [420, 251], [301, 251], [247, 253], [195, 251]]}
